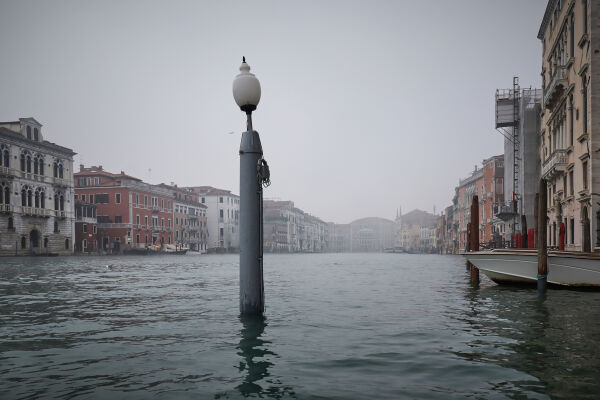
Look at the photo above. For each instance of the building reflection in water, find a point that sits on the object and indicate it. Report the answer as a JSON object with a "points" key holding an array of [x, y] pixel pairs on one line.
{"points": [[550, 337], [257, 361]]}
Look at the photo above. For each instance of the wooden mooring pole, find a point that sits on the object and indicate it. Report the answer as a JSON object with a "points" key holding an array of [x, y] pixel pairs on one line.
{"points": [[542, 237], [474, 245]]}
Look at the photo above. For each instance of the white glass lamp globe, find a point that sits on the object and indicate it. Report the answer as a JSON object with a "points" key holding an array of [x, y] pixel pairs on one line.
{"points": [[246, 89]]}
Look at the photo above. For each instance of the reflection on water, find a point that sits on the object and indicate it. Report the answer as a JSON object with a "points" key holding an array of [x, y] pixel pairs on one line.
{"points": [[552, 337], [256, 361]]}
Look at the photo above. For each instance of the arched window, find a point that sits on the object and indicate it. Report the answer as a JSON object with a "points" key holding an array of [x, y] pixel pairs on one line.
{"points": [[36, 134], [42, 198], [23, 242], [37, 199], [28, 162], [59, 201], [22, 162], [58, 169], [4, 156], [11, 224], [35, 165], [67, 244], [6, 189], [28, 132], [41, 164]]}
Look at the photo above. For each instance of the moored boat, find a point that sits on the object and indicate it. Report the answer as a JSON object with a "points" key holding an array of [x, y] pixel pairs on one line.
{"points": [[519, 266]]}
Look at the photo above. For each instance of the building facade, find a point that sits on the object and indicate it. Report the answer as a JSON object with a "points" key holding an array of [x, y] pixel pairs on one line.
{"points": [[36, 191], [570, 127], [222, 218], [130, 213], [189, 216], [86, 228]]}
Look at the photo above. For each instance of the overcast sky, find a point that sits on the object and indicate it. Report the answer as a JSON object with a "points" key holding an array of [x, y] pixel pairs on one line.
{"points": [[366, 106]]}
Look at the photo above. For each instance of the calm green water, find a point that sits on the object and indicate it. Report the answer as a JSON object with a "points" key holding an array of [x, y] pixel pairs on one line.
{"points": [[338, 326]]}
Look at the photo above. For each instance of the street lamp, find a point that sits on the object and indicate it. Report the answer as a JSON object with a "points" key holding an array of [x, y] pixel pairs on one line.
{"points": [[254, 173]]}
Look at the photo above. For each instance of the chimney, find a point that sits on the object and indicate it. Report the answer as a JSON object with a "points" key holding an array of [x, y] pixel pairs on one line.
{"points": [[81, 167], [100, 167]]}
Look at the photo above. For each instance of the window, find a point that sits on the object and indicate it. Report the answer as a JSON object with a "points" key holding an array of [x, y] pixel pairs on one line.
{"points": [[584, 107], [137, 199], [4, 156], [36, 134], [76, 197], [565, 185], [584, 168], [96, 181], [146, 201], [91, 198], [28, 132], [84, 244], [220, 213], [572, 231], [102, 198], [83, 197], [571, 187], [221, 233], [95, 229], [203, 200], [154, 220], [67, 244], [137, 219], [85, 228], [118, 219], [220, 199], [146, 220], [585, 16], [23, 243], [118, 198]]}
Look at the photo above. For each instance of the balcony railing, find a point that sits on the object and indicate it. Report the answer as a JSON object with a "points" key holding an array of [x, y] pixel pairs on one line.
{"points": [[556, 86], [5, 171], [557, 162], [60, 181], [106, 225], [6, 207], [38, 212], [59, 213]]}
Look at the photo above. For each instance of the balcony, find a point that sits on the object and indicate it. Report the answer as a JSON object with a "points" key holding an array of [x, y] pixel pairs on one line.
{"points": [[505, 211], [555, 164], [5, 171], [60, 182], [36, 212], [556, 87], [110, 225], [155, 209], [59, 213], [6, 208]]}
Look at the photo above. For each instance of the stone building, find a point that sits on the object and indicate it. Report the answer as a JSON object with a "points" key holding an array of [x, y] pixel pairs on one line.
{"points": [[570, 126], [36, 191], [419, 232], [130, 213], [222, 218], [372, 234]]}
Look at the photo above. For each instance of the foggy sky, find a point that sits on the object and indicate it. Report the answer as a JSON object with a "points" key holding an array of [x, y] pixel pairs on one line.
{"points": [[366, 106]]}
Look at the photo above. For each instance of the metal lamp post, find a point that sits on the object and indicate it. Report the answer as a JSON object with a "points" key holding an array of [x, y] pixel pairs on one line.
{"points": [[253, 174]]}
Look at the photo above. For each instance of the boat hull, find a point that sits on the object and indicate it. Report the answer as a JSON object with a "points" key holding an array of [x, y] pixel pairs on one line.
{"points": [[520, 267]]}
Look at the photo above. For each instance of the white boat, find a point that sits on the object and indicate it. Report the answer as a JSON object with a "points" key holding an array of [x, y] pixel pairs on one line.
{"points": [[565, 268]]}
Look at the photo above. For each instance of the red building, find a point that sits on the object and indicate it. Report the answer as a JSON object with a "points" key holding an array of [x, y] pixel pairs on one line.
{"points": [[86, 228], [130, 213], [488, 184]]}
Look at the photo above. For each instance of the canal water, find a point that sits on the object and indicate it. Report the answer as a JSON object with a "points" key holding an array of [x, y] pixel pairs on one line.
{"points": [[337, 326]]}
